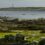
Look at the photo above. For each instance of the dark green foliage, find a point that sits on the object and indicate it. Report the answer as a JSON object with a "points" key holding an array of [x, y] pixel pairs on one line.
{"points": [[14, 40], [19, 38], [43, 31], [42, 42], [16, 24], [9, 38]]}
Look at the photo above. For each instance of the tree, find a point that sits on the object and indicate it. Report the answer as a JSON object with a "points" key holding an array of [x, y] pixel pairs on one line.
{"points": [[42, 42], [19, 37], [9, 38]]}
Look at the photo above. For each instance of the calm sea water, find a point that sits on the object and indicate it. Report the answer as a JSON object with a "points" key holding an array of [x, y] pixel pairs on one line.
{"points": [[23, 14]]}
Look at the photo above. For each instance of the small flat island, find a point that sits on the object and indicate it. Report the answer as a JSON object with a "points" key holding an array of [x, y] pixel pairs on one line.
{"points": [[23, 9]]}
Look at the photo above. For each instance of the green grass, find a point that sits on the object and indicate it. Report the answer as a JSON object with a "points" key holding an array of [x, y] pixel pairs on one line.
{"points": [[31, 35]]}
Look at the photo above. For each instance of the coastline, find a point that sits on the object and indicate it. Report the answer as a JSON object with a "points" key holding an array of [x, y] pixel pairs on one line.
{"points": [[23, 9]]}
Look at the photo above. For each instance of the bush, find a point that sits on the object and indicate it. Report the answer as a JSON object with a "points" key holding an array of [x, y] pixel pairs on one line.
{"points": [[42, 42]]}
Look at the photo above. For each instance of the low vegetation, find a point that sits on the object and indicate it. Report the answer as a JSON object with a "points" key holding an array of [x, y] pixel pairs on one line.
{"points": [[32, 30], [16, 24], [19, 39]]}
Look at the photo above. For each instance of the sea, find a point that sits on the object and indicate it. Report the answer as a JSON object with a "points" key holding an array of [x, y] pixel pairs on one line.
{"points": [[23, 14]]}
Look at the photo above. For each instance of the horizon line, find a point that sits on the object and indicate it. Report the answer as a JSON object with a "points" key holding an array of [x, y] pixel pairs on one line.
{"points": [[23, 6]]}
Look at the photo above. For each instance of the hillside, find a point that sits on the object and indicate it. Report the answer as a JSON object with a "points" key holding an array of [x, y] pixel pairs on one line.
{"points": [[15, 24]]}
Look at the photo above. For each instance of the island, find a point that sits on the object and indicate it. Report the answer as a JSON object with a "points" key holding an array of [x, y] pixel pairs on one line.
{"points": [[22, 9]]}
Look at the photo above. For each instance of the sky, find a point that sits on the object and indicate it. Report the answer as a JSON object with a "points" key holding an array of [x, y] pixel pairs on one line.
{"points": [[22, 3]]}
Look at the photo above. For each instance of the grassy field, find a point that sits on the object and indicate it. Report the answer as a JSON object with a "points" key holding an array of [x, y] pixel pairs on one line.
{"points": [[29, 35]]}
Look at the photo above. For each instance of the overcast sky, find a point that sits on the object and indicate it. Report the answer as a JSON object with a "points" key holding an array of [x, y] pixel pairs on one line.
{"points": [[21, 3]]}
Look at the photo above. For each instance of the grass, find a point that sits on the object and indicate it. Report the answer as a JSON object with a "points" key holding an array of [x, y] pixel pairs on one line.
{"points": [[30, 35]]}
